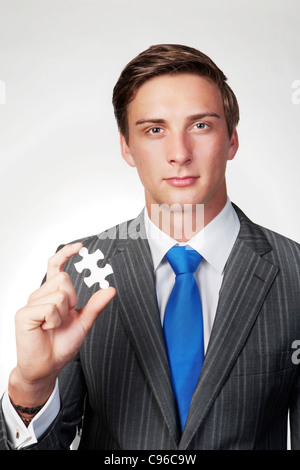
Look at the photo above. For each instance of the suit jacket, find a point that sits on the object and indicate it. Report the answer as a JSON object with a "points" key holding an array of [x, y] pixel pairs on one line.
{"points": [[120, 381]]}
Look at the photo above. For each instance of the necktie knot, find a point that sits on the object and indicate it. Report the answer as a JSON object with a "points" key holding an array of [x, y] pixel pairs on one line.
{"points": [[183, 259]]}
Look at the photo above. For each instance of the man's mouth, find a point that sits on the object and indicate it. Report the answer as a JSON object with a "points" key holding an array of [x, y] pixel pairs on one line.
{"points": [[182, 181]]}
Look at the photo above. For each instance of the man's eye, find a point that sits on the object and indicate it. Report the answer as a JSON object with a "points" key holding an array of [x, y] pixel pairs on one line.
{"points": [[155, 130], [200, 125]]}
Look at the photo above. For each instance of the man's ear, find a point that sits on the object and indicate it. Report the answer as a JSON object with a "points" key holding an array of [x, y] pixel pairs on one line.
{"points": [[125, 151], [233, 145]]}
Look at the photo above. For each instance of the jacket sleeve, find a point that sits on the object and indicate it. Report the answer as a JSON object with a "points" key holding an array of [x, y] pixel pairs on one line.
{"points": [[62, 431]]}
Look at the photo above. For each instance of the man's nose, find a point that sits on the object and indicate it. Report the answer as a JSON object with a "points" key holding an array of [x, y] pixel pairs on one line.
{"points": [[179, 149]]}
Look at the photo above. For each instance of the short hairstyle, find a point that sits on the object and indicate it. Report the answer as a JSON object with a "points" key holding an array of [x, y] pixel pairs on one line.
{"points": [[164, 59]]}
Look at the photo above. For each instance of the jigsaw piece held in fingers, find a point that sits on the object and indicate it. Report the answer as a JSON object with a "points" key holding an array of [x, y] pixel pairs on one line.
{"points": [[89, 261]]}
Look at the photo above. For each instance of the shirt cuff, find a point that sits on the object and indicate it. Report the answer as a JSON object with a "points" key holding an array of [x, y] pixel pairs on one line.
{"points": [[18, 434]]}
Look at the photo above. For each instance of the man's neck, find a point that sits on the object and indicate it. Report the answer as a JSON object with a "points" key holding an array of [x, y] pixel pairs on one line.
{"points": [[182, 223]]}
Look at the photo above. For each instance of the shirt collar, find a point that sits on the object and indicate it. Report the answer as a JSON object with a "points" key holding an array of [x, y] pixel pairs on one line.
{"points": [[214, 242]]}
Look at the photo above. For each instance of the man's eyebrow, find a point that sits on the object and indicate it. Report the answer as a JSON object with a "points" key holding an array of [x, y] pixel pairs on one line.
{"points": [[196, 117], [149, 121], [191, 118]]}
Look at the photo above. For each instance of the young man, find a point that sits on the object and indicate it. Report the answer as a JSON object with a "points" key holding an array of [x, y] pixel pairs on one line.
{"points": [[113, 359]]}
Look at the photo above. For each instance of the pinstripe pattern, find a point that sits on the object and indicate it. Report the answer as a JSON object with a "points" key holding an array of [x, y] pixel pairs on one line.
{"points": [[247, 383]]}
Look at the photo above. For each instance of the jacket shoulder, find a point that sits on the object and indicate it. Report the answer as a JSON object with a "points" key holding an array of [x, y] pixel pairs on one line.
{"points": [[115, 236], [107, 240], [253, 233], [281, 242]]}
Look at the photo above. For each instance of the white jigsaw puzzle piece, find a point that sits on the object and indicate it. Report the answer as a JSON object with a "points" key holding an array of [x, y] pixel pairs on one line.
{"points": [[89, 261]]}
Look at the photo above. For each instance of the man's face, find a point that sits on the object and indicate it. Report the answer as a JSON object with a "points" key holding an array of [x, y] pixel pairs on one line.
{"points": [[178, 141]]}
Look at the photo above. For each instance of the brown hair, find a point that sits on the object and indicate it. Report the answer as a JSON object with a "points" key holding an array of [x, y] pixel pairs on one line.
{"points": [[164, 59]]}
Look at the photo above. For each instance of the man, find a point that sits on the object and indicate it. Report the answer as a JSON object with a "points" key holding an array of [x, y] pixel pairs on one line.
{"points": [[113, 359]]}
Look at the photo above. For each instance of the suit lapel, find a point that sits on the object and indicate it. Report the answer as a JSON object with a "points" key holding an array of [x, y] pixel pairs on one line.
{"points": [[134, 282], [247, 280]]}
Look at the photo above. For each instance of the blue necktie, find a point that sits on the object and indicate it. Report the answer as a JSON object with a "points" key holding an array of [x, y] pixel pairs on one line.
{"points": [[183, 327]]}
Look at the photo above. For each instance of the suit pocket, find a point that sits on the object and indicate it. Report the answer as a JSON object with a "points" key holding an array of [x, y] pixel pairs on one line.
{"points": [[262, 363]]}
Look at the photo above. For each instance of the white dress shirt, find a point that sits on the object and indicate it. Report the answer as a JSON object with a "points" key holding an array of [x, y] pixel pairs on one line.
{"points": [[214, 243]]}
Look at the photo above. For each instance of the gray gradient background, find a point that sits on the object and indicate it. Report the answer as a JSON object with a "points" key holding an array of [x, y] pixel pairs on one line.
{"points": [[62, 176]]}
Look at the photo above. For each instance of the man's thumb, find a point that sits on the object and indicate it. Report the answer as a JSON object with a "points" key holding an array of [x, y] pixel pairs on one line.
{"points": [[94, 307]]}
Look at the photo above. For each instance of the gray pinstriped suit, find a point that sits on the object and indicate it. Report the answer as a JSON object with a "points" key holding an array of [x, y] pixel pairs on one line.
{"points": [[248, 381]]}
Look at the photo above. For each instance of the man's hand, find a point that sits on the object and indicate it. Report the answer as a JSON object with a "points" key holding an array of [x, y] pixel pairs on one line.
{"points": [[50, 331]]}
